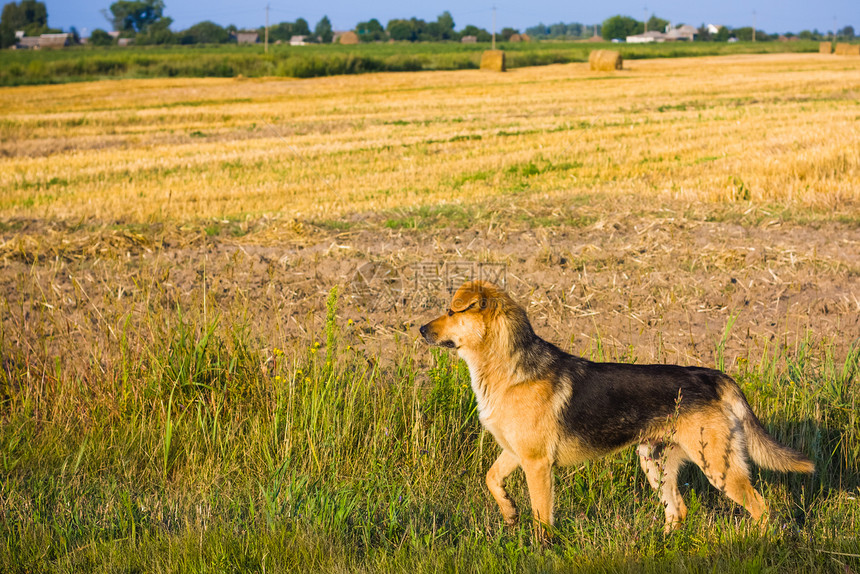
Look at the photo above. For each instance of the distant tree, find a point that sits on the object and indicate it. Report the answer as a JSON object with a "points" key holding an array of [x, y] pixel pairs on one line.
{"points": [[370, 31], [745, 34], [506, 33], [406, 30], [135, 15], [846, 33], [480, 34], [99, 37], [658, 24], [540, 30], [301, 27], [29, 15], [703, 35], [282, 31], [558, 30], [722, 35], [431, 32], [621, 27], [323, 30], [286, 30], [205, 32], [157, 32], [445, 22]]}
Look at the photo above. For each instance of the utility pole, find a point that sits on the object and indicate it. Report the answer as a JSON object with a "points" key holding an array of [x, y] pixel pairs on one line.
{"points": [[645, 19], [834, 28], [754, 25], [494, 27], [266, 48]]}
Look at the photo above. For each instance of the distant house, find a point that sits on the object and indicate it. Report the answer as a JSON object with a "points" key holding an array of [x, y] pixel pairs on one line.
{"points": [[714, 29], [26, 43], [469, 39], [647, 38], [48, 41], [247, 37], [684, 33], [298, 41], [125, 42]]}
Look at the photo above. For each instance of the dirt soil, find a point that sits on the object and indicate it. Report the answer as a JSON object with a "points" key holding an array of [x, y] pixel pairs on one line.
{"points": [[637, 288]]}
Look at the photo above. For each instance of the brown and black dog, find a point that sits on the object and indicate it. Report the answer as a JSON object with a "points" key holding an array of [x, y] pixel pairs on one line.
{"points": [[546, 407]]}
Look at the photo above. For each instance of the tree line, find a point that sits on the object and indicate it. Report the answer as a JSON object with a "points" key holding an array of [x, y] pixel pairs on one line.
{"points": [[145, 22]]}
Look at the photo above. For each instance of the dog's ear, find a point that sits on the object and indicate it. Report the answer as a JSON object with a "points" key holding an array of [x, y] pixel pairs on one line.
{"points": [[474, 293]]}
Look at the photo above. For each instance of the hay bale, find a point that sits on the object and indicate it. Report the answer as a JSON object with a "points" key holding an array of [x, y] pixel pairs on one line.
{"points": [[605, 60], [843, 49], [493, 60], [348, 38], [825, 48], [515, 38]]}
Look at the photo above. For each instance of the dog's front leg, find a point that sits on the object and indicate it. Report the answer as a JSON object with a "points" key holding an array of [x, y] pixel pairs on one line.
{"points": [[539, 478], [504, 465]]}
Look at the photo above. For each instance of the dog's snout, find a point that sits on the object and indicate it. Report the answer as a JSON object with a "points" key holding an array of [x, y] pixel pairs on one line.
{"points": [[423, 331]]}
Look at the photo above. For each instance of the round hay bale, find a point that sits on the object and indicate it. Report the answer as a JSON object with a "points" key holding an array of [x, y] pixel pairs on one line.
{"points": [[605, 60], [348, 38], [825, 48], [515, 38], [493, 60]]}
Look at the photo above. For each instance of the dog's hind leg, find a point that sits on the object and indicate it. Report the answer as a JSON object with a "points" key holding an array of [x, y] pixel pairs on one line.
{"points": [[717, 446], [661, 465], [504, 465]]}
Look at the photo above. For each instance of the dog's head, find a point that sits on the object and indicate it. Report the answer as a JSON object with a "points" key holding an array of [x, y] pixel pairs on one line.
{"points": [[464, 325]]}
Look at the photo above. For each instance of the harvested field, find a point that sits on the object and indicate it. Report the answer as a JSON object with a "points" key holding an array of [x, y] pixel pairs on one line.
{"points": [[212, 288]]}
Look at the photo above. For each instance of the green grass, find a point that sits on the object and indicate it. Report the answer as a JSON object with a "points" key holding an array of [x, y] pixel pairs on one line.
{"points": [[90, 63], [183, 442]]}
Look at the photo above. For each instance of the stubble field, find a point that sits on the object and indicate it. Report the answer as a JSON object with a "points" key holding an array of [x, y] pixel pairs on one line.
{"points": [[211, 290]]}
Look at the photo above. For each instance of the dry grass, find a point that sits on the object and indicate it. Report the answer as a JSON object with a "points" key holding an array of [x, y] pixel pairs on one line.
{"points": [[767, 128]]}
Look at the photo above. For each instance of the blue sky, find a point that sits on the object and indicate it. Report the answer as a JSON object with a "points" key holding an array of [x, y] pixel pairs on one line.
{"points": [[771, 15]]}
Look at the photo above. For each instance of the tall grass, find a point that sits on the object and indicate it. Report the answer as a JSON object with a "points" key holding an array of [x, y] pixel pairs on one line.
{"points": [[89, 63], [205, 445]]}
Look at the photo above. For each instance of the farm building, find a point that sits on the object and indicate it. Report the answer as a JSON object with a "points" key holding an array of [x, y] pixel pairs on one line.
{"points": [[647, 37], [298, 41], [124, 42], [48, 41], [247, 37], [26, 43], [469, 39], [684, 33]]}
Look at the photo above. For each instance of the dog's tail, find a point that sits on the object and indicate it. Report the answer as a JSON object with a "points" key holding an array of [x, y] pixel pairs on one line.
{"points": [[762, 448]]}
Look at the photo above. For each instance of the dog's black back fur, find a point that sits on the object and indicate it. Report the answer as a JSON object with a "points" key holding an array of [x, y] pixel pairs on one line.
{"points": [[611, 404]]}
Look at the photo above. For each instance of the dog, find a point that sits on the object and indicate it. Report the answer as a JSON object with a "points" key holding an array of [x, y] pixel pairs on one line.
{"points": [[546, 407]]}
